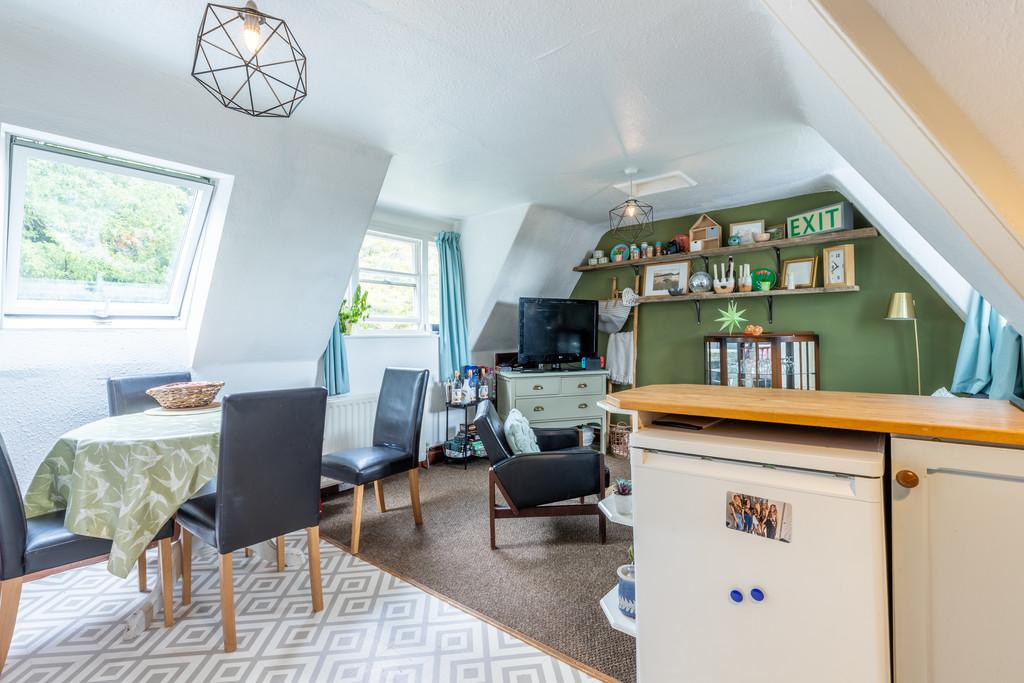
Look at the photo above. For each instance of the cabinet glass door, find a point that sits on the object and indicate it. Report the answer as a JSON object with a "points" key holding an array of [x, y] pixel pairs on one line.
{"points": [[797, 365], [713, 363]]}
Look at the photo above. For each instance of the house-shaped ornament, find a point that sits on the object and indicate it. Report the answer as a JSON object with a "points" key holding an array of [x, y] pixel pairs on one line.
{"points": [[707, 231]]}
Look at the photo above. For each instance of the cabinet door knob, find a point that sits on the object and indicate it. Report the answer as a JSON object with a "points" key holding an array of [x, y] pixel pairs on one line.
{"points": [[907, 479], [581, 385], [582, 406], [538, 409], [538, 387]]}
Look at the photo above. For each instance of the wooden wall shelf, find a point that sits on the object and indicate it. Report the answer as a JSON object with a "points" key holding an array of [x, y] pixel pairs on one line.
{"points": [[768, 296], [821, 238]]}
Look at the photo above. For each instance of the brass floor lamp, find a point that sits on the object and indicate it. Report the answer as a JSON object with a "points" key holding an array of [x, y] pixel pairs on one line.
{"points": [[901, 307]]}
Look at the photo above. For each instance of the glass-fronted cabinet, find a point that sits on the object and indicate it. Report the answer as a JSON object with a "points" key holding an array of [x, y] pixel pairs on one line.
{"points": [[783, 361]]}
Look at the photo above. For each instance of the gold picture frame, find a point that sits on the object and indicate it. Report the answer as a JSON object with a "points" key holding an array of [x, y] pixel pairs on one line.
{"points": [[838, 266], [805, 271]]}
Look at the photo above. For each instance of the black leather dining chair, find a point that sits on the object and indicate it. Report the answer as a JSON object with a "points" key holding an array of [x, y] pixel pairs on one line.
{"points": [[531, 482], [127, 395], [395, 448], [268, 485], [33, 548]]}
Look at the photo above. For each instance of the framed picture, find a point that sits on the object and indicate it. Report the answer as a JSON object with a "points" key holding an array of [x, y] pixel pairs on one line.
{"points": [[804, 272], [746, 230], [839, 266], [660, 278]]}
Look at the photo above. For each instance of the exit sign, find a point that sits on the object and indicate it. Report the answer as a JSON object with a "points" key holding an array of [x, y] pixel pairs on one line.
{"points": [[833, 217]]}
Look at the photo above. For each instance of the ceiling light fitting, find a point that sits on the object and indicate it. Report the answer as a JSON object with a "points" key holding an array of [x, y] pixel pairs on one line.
{"points": [[249, 61], [632, 220]]}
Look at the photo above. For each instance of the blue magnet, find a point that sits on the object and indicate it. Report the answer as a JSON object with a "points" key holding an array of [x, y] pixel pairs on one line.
{"points": [[735, 596], [756, 594]]}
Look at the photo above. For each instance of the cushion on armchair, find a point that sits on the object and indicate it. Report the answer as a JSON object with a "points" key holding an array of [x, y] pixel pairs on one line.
{"points": [[518, 434]]}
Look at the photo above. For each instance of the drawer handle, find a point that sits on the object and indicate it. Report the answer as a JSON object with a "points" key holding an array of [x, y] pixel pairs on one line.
{"points": [[582, 406], [538, 387], [581, 385], [907, 479], [538, 409]]}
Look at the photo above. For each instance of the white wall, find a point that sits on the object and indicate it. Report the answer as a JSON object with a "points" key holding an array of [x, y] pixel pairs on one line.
{"points": [[301, 201]]}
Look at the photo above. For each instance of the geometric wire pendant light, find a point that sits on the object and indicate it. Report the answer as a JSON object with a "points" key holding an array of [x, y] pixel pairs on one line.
{"points": [[632, 220], [249, 61]]}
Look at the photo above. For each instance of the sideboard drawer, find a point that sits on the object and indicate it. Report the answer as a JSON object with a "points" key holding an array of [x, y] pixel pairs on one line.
{"points": [[590, 385], [558, 407], [541, 386]]}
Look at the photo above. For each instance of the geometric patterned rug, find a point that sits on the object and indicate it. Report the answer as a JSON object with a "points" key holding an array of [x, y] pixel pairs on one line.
{"points": [[375, 628]]}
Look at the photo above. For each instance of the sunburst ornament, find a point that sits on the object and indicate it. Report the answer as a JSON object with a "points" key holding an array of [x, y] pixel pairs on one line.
{"points": [[731, 318]]}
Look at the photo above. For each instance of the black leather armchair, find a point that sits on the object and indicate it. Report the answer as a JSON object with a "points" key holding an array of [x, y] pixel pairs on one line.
{"points": [[268, 485], [126, 395], [395, 449], [531, 482], [33, 548]]}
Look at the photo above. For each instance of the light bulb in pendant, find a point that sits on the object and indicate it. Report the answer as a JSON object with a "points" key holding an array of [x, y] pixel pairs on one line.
{"points": [[630, 208], [251, 27]]}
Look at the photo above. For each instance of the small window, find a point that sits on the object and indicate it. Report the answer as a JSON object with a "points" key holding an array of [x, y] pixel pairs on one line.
{"points": [[94, 236], [399, 275]]}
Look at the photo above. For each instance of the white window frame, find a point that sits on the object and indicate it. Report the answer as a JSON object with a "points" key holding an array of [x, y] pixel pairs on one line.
{"points": [[422, 276], [19, 149]]}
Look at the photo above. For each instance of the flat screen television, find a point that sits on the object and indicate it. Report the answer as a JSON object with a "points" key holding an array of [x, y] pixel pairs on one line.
{"points": [[556, 330]]}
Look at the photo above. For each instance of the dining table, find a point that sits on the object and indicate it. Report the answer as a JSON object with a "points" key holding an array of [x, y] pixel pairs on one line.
{"points": [[122, 477]]}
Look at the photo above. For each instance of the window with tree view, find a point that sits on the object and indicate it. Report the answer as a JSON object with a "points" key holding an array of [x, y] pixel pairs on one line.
{"points": [[399, 276], [93, 236]]}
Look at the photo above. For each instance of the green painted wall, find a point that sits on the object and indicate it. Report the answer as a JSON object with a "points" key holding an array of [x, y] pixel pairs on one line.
{"points": [[859, 350]]}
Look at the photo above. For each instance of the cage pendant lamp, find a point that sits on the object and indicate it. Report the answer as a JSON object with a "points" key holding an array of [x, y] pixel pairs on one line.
{"points": [[632, 220], [249, 61]]}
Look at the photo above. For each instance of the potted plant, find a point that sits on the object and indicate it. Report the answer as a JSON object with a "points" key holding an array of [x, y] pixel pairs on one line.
{"points": [[627, 587], [357, 311], [622, 496]]}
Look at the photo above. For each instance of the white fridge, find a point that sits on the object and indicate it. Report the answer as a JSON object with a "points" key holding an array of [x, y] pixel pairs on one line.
{"points": [[760, 555]]}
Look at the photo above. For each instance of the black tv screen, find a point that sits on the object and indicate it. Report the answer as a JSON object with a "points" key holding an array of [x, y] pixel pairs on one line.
{"points": [[556, 330]]}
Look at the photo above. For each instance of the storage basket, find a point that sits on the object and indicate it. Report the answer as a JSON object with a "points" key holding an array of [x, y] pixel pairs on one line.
{"points": [[182, 395], [618, 439]]}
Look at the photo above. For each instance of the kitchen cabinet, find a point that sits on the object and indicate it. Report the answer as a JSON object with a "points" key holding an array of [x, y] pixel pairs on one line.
{"points": [[957, 561]]}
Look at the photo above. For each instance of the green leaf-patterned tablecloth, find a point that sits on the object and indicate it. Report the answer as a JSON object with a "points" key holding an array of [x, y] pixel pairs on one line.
{"points": [[123, 477]]}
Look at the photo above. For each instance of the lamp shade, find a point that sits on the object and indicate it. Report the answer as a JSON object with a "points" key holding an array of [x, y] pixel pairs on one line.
{"points": [[901, 307]]}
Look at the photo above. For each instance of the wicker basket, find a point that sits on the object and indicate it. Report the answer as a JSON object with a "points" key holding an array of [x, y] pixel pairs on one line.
{"points": [[182, 395], [618, 439]]}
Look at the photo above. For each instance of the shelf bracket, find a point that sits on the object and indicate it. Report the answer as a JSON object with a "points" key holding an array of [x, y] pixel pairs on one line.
{"points": [[636, 270], [696, 305], [707, 265], [771, 307], [778, 265]]}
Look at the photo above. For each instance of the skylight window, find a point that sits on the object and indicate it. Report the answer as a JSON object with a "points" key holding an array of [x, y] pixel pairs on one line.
{"points": [[93, 236]]}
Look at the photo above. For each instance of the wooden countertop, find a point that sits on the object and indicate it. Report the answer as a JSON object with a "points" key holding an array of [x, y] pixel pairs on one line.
{"points": [[985, 421]]}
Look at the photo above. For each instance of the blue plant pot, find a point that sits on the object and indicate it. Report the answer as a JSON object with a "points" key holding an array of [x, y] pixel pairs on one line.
{"points": [[627, 590]]}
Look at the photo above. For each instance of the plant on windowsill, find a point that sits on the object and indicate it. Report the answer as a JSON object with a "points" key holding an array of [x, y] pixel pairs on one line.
{"points": [[622, 496], [356, 312]]}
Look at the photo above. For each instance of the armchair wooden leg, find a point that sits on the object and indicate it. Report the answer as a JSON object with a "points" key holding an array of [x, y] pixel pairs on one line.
{"points": [[143, 583], [167, 581], [378, 492], [248, 552], [414, 493], [315, 584], [490, 506], [10, 596], [357, 516], [186, 567], [227, 603], [279, 542]]}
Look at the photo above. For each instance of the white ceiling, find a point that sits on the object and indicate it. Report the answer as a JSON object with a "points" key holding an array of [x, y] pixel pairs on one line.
{"points": [[491, 103]]}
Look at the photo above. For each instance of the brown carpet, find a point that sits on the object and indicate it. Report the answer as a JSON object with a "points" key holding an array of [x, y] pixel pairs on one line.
{"points": [[545, 580]]}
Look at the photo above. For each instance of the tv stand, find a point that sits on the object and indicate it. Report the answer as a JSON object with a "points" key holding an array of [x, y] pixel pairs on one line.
{"points": [[553, 367], [553, 398]]}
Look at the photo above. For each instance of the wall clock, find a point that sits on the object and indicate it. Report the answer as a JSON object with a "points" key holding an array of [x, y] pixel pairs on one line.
{"points": [[839, 266]]}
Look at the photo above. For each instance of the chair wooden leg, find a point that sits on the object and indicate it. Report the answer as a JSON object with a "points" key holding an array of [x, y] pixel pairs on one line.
{"points": [[315, 584], [490, 507], [143, 583], [378, 492], [186, 567], [414, 493], [227, 603], [10, 596], [167, 581], [280, 553], [357, 516]]}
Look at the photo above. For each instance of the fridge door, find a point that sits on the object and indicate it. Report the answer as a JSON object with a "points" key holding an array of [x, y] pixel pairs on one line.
{"points": [[823, 612]]}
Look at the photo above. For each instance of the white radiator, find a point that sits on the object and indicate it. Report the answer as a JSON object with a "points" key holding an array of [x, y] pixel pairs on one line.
{"points": [[349, 422]]}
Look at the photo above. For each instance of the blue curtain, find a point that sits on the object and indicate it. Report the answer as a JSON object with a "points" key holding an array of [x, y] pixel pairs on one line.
{"points": [[454, 338], [990, 358], [335, 364]]}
